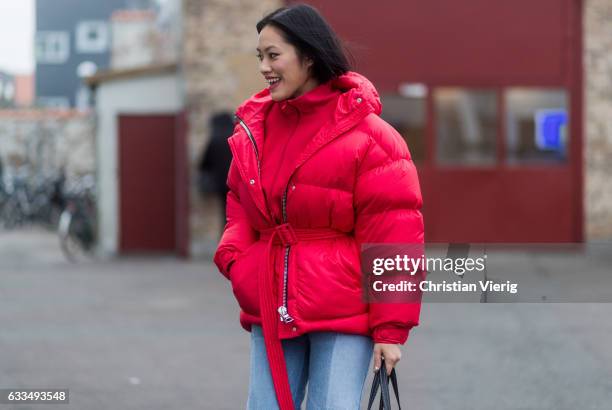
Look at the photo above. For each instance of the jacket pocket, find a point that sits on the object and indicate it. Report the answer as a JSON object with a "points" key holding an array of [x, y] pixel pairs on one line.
{"points": [[329, 285], [243, 276]]}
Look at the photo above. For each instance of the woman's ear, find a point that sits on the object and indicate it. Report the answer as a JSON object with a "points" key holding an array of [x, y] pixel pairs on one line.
{"points": [[308, 62]]}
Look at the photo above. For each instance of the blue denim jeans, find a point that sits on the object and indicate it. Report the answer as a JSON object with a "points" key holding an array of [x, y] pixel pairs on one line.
{"points": [[334, 365]]}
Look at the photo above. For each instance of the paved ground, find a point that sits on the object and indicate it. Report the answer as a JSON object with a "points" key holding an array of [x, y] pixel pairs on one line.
{"points": [[159, 333]]}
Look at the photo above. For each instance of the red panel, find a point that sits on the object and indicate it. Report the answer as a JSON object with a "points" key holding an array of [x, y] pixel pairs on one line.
{"points": [[514, 205], [147, 183], [456, 42]]}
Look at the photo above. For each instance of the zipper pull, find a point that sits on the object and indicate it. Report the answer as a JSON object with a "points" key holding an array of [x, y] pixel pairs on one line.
{"points": [[284, 316]]}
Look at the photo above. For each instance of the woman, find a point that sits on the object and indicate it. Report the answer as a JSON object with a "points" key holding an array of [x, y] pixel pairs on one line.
{"points": [[315, 173]]}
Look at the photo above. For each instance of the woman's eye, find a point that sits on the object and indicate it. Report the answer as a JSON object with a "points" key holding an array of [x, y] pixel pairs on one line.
{"points": [[272, 56]]}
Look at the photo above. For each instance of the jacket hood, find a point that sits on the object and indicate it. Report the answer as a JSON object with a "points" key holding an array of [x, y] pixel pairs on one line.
{"points": [[353, 86]]}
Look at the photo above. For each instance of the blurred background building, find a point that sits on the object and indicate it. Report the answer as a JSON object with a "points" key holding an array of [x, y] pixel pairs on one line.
{"points": [[73, 40], [506, 108]]}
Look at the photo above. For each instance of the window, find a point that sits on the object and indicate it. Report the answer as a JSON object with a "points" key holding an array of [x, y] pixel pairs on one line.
{"points": [[536, 125], [92, 36], [466, 126], [52, 47], [407, 114]]}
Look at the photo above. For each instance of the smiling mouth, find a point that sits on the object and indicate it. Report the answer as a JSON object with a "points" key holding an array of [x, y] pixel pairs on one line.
{"points": [[272, 82]]}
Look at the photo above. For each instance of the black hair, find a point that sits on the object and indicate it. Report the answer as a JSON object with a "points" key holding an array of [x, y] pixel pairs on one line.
{"points": [[304, 28]]}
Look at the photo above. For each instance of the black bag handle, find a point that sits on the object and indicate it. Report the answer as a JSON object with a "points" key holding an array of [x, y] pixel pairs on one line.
{"points": [[381, 379]]}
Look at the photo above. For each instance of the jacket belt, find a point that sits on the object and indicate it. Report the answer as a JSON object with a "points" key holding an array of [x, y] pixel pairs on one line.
{"points": [[284, 235]]}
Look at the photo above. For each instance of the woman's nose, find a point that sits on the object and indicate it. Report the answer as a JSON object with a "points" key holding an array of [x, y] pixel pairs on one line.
{"points": [[264, 67]]}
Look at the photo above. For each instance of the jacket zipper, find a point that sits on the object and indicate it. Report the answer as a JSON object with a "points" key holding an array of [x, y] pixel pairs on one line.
{"points": [[284, 314], [282, 310], [248, 131]]}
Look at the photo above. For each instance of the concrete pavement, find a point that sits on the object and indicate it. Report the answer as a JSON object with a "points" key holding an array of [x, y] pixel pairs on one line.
{"points": [[161, 333]]}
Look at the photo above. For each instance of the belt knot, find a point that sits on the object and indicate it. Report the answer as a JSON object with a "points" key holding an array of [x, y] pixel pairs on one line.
{"points": [[286, 234]]}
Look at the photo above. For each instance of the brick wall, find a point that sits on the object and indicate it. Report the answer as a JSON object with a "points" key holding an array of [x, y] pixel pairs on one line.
{"points": [[45, 140], [598, 118]]}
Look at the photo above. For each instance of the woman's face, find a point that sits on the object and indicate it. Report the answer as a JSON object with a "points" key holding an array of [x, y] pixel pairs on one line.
{"points": [[286, 75]]}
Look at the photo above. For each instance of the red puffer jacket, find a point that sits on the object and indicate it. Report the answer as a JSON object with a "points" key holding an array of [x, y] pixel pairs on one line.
{"points": [[354, 182]]}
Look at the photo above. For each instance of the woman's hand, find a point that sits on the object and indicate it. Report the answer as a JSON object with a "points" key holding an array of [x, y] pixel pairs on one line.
{"points": [[390, 351]]}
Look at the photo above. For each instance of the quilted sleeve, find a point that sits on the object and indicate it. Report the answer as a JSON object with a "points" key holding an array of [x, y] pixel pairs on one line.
{"points": [[387, 202], [238, 234]]}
